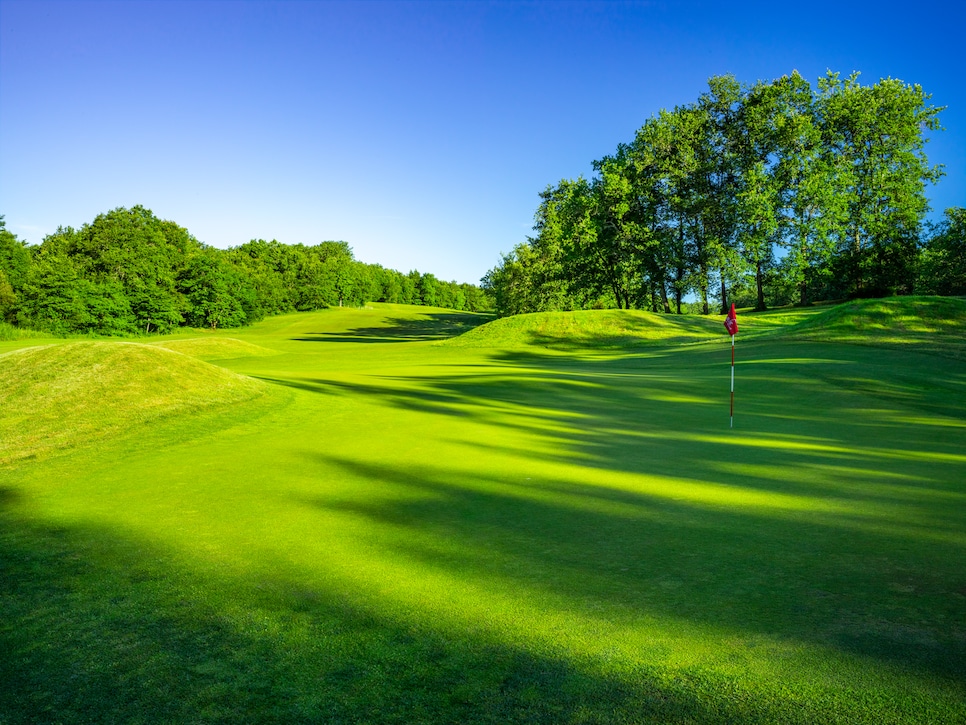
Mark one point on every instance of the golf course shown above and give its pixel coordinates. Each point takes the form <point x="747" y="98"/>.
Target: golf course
<point x="404" y="514"/>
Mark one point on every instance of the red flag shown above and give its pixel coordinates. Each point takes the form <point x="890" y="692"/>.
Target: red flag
<point x="731" y="321"/>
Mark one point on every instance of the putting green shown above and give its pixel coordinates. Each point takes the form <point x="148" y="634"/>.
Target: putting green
<point x="394" y="524"/>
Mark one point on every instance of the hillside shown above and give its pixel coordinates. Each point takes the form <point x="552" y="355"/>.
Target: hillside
<point x="929" y="324"/>
<point x="593" y="328"/>
<point x="57" y="396"/>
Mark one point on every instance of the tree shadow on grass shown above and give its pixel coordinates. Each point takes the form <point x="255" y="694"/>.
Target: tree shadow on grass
<point x="828" y="580"/>
<point x="426" y="327"/>
<point x="853" y="412"/>
<point x="816" y="519"/>
<point x="99" y="627"/>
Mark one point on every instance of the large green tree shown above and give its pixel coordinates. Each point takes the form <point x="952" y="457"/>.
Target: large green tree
<point x="807" y="173"/>
<point x="131" y="260"/>
<point x="877" y="134"/>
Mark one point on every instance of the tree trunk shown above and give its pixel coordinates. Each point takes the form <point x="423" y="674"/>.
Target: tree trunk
<point x="679" y="270"/>
<point x="678" y="294"/>
<point x="760" y="283"/>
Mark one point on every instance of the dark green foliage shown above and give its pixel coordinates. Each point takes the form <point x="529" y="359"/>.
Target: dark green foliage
<point x="14" y="256"/>
<point x="54" y="295"/>
<point x="943" y="266"/>
<point x="7" y="296"/>
<point x="214" y="292"/>
<point x="134" y="256"/>
<point x="14" y="267"/>
<point x="129" y="272"/>
<point x="271" y="268"/>
<point x="751" y="194"/>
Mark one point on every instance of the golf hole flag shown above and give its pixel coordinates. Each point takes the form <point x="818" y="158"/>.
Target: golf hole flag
<point x="731" y="321"/>
<point x="731" y="325"/>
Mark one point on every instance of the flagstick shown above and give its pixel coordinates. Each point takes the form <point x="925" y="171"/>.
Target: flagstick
<point x="732" y="381"/>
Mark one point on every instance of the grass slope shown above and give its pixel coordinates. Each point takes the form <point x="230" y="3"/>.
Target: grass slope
<point x="589" y="328"/>
<point x="932" y="324"/>
<point x="505" y="533"/>
<point x="59" y="396"/>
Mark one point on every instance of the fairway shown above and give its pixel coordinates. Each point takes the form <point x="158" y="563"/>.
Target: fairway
<point x="372" y="517"/>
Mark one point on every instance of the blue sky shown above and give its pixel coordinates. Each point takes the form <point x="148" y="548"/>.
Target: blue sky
<point x="419" y="132"/>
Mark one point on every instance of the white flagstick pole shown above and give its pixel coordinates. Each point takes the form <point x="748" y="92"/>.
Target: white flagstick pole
<point x="732" y="381"/>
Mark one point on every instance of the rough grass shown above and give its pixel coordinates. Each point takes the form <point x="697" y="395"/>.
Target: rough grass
<point x="10" y="332"/>
<point x="59" y="396"/>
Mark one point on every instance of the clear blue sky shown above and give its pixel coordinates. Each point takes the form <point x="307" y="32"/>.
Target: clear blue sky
<point x="419" y="132"/>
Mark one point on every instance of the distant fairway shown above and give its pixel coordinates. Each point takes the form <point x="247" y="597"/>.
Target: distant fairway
<point x="393" y="515"/>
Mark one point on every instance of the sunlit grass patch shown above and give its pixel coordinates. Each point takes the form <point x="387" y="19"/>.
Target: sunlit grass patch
<point x="62" y="395"/>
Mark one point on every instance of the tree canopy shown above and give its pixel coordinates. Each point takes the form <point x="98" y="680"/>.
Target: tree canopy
<point x="766" y="194"/>
<point x="129" y="272"/>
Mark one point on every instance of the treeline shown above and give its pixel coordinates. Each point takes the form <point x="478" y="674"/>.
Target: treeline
<point x="768" y="194"/>
<point x="129" y="272"/>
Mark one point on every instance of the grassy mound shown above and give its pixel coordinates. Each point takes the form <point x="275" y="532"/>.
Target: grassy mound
<point x="933" y="324"/>
<point x="215" y="348"/>
<point x="929" y="324"/>
<point x="57" y="396"/>
<point x="590" y="328"/>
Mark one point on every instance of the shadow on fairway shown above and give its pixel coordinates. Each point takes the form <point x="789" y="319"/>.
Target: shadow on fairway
<point x="428" y="326"/>
<point x="97" y="627"/>
<point x="832" y="581"/>
<point x="823" y="524"/>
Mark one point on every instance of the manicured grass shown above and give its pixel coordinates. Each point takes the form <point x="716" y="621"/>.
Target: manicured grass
<point x="503" y="528"/>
